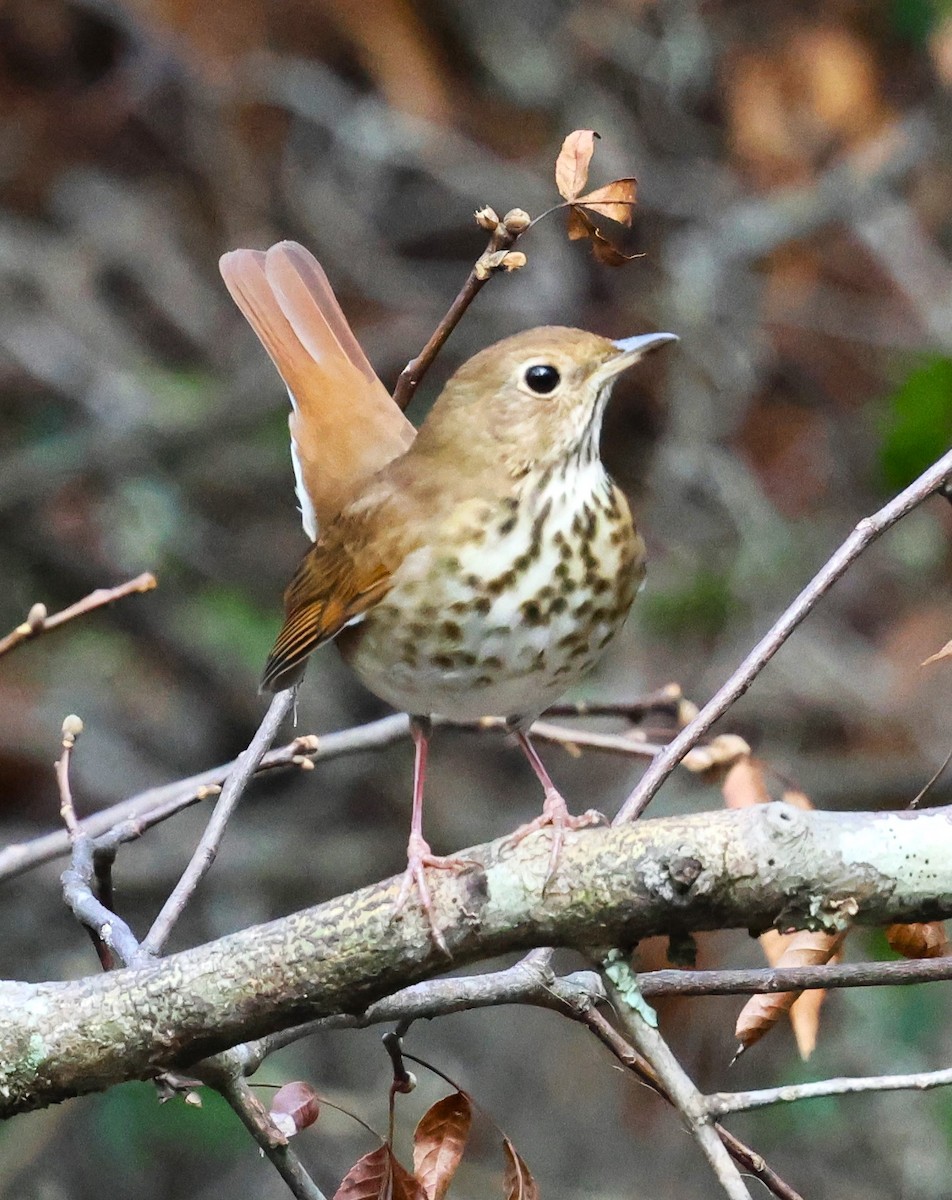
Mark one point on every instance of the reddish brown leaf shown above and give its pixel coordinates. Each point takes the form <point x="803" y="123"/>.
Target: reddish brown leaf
<point x="439" y="1143"/>
<point x="294" y="1107"/>
<point x="571" y="167"/>
<point x="922" y="940"/>
<point x="615" y="200"/>
<point x="519" y="1183"/>
<point x="378" y="1176"/>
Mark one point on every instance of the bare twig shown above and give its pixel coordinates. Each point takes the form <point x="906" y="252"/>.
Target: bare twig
<point x="722" y="1103"/>
<point x="502" y="239"/>
<point x="38" y="622"/>
<point x="162" y="802"/>
<point x="866" y="532"/>
<point x="129" y="819"/>
<point x="750" y="981"/>
<point x="523" y="983"/>
<point x="667" y="699"/>
<point x="274" y="1145"/>
<point x="207" y="848"/>
<point x="741" y="1153"/>
<point x="681" y="1091"/>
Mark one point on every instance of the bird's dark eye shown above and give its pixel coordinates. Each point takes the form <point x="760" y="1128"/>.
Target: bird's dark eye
<point x="542" y="378"/>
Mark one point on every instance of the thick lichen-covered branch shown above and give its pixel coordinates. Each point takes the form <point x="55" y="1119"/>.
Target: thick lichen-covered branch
<point x="613" y="886"/>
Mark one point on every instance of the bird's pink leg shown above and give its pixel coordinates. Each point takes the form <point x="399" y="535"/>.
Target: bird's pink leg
<point x="419" y="855"/>
<point x="554" y="809"/>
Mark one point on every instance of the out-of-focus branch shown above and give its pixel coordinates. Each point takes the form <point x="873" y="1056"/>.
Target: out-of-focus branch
<point x="866" y="532"/>
<point x="38" y="622"/>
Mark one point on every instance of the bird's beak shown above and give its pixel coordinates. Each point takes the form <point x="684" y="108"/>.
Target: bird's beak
<point x="630" y="350"/>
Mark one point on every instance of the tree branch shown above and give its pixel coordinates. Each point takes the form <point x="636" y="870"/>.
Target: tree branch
<point x="612" y="887"/>
<point x="723" y="1103"/>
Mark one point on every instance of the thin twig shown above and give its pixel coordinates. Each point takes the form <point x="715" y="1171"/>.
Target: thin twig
<point x="502" y="239"/>
<point x="129" y="819"/>
<point x="38" y="622"/>
<point x="522" y="983"/>
<point x="866" y="532"/>
<point x="274" y="1145"/>
<point x="750" y="981"/>
<point x="161" y="802"/>
<point x="681" y="1090"/>
<point x="722" y="1103"/>
<point x="207" y="848"/>
<point x="667" y="699"/>
<point x="741" y="1153"/>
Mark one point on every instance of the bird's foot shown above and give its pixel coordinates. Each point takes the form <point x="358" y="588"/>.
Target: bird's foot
<point x="419" y="857"/>
<point x="555" y="815"/>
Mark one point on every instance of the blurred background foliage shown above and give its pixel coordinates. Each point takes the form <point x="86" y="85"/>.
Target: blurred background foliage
<point x="795" y="219"/>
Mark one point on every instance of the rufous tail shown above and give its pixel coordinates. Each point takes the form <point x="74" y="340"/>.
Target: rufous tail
<point x="344" y="424"/>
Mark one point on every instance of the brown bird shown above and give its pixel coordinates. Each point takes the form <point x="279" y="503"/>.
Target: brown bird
<point x="478" y="568"/>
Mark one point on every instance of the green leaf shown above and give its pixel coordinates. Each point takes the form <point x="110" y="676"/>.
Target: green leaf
<point x="917" y="428"/>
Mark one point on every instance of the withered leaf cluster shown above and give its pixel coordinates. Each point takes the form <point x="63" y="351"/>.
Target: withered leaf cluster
<point x="613" y="201"/>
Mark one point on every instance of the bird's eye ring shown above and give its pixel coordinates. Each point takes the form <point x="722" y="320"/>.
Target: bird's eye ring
<point x="542" y="378"/>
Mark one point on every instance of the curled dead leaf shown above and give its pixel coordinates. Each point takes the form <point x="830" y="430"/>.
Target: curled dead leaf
<point x="920" y="940"/>
<point x="294" y="1107"/>
<point x="439" y="1143"/>
<point x="615" y="200"/>
<point x="571" y="166"/>
<point x="945" y="652"/>
<point x="805" y="948"/>
<point x="744" y="784"/>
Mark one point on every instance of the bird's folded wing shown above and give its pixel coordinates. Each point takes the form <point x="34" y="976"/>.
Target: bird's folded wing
<point x="344" y="424"/>
<point x="328" y="592"/>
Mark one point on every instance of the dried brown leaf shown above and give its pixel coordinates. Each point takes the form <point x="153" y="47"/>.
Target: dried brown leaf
<point x="615" y="200"/>
<point x="519" y="1183"/>
<point x="945" y="652"/>
<point x="806" y="948"/>
<point x="440" y="1141"/>
<point x="580" y="226"/>
<point x="378" y="1176"/>
<point x="920" y="940"/>
<point x="571" y="167"/>
<point x="744" y="784"/>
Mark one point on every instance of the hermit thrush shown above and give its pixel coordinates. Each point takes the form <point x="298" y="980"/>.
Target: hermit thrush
<point x="477" y="569"/>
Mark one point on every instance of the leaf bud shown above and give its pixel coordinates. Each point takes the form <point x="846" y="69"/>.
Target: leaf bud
<point x="486" y="218"/>
<point x="517" y="220"/>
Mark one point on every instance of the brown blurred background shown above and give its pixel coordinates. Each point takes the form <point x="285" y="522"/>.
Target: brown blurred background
<point x="796" y="226"/>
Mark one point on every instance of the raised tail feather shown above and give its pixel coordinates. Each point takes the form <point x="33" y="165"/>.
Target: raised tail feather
<point x="344" y="424"/>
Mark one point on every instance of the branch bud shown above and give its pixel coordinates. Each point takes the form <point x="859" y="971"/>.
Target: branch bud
<point x="517" y="220"/>
<point x="486" y="218"/>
